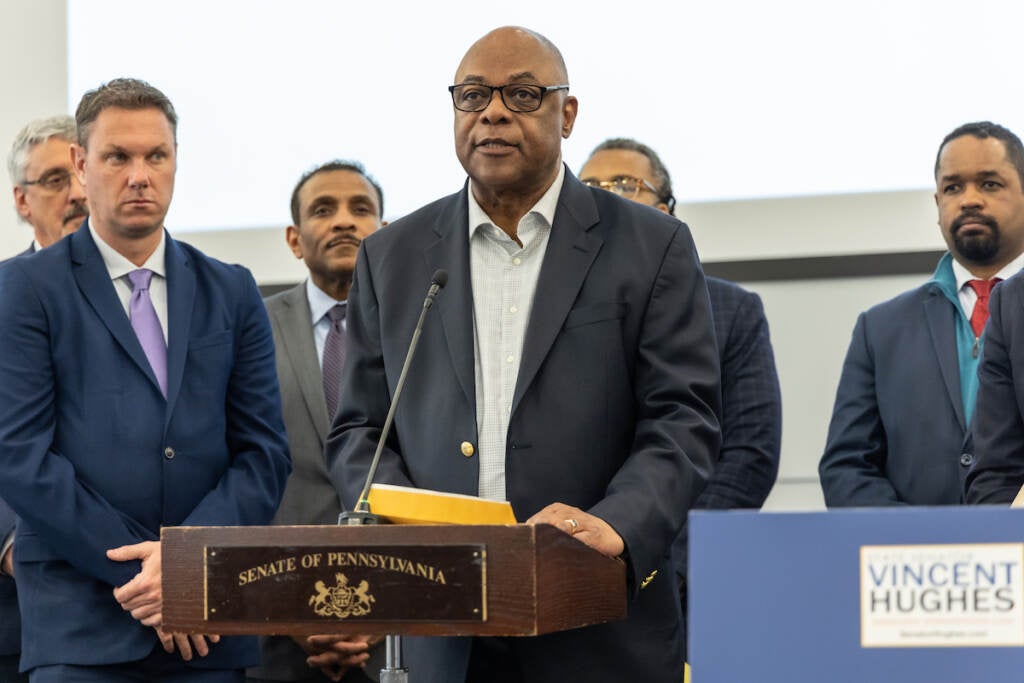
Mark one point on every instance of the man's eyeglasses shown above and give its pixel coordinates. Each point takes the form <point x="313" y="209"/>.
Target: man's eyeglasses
<point x="517" y="97"/>
<point x="54" y="181"/>
<point x="624" y="186"/>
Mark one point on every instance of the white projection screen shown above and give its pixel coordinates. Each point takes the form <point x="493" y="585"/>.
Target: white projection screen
<point x="742" y="98"/>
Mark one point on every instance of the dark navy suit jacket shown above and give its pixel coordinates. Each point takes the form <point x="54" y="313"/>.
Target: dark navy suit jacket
<point x="998" y="429"/>
<point x="95" y="457"/>
<point x="10" y="618"/>
<point x="898" y="433"/>
<point x="751" y="408"/>
<point x="614" y="409"/>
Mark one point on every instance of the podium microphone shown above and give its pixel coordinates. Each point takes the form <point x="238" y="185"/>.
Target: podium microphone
<point x="361" y="513"/>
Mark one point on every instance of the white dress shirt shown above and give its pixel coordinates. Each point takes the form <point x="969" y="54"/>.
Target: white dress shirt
<point x="504" y="277"/>
<point x="319" y="303"/>
<point x="966" y="294"/>
<point x="118" y="267"/>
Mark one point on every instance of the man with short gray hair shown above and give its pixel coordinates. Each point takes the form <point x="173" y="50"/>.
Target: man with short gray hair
<point x="47" y="195"/>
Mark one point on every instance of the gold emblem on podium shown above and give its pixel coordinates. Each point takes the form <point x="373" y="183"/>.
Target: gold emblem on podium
<point x="342" y="600"/>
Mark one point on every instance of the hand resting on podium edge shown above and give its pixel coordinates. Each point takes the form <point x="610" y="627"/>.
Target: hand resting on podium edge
<point x="590" y="530"/>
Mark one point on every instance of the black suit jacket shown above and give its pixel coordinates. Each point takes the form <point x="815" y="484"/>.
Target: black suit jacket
<point x="998" y="426"/>
<point x="614" y="409"/>
<point x="751" y="409"/>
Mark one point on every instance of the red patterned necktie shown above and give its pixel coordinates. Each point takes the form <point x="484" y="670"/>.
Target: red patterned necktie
<point x="979" y="316"/>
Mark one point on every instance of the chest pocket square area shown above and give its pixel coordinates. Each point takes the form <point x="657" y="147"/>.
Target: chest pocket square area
<point x="589" y="314"/>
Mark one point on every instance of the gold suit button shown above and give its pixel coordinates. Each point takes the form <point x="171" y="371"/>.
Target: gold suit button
<point x="467" y="449"/>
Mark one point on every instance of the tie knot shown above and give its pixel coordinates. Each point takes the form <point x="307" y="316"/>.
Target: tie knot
<point x="983" y="287"/>
<point x="140" y="278"/>
<point x="336" y="313"/>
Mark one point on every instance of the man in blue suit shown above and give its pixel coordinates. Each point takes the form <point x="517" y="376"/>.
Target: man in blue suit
<point x="751" y="418"/>
<point x="137" y="390"/>
<point x="47" y="196"/>
<point x="900" y="431"/>
<point x="569" y="366"/>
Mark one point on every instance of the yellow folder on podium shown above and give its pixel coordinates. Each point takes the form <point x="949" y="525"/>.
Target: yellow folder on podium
<point x="405" y="505"/>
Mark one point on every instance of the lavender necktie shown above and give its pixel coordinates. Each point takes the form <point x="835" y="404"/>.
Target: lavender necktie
<point x="147" y="325"/>
<point x="334" y="358"/>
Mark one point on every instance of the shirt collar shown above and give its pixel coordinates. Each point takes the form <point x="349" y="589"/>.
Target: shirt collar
<point x="319" y="301"/>
<point x="545" y="206"/>
<point x="119" y="266"/>
<point x="962" y="275"/>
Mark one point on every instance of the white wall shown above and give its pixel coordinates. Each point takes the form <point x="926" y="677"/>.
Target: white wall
<point x="810" y="321"/>
<point x="34" y="83"/>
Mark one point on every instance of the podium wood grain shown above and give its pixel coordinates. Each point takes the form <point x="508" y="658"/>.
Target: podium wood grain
<point x="538" y="579"/>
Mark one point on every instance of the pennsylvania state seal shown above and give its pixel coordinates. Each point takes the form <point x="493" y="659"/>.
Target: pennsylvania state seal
<point x="341" y="600"/>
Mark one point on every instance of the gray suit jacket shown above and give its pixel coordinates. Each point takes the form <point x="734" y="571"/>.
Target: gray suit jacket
<point x="309" y="497"/>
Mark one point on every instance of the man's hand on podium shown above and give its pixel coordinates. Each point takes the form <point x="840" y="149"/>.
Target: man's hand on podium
<point x="591" y="530"/>
<point x="334" y="654"/>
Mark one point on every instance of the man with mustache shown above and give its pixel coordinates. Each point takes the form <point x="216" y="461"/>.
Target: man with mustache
<point x="334" y="207"/>
<point x="568" y="366"/>
<point x="47" y="195"/>
<point x="751" y="402"/>
<point x="901" y="426"/>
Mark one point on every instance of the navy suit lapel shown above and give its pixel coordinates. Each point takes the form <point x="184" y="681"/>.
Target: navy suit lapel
<point x="294" y="320"/>
<point x="942" y="327"/>
<point x="571" y="250"/>
<point x="181" y="291"/>
<point x="455" y="304"/>
<point x="94" y="282"/>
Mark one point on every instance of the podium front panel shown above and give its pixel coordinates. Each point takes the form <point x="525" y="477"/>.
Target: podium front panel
<point x="386" y="579"/>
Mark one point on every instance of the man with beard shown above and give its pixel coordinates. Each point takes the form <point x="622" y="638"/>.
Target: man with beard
<point x="900" y="431"/>
<point x="47" y="195"/>
<point x="334" y="207"/>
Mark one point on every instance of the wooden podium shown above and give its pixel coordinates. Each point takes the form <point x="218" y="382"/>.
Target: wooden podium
<point x="508" y="580"/>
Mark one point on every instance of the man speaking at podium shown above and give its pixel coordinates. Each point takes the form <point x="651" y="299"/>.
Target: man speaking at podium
<point x="569" y="366"/>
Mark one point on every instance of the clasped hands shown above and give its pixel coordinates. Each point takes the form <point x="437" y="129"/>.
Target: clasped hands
<point x="143" y="598"/>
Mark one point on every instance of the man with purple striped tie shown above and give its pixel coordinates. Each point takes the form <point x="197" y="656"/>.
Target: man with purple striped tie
<point x="334" y="207"/>
<point x="137" y="390"/>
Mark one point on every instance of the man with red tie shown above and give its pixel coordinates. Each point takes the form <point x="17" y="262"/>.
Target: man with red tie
<point x="901" y="425"/>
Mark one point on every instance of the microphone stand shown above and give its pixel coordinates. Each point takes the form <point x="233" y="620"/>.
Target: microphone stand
<point x="394" y="670"/>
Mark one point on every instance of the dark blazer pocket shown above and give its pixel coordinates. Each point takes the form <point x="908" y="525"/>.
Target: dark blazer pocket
<point x="215" y="339"/>
<point x="595" y="313"/>
<point x="31" y="548"/>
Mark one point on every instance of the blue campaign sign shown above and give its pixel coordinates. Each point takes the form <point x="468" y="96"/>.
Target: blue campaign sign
<point x="911" y="595"/>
